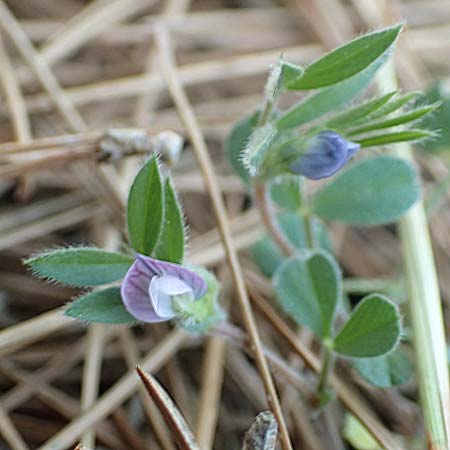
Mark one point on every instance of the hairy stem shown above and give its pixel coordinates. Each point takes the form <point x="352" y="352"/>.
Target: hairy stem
<point x="268" y="217"/>
<point x="265" y="114"/>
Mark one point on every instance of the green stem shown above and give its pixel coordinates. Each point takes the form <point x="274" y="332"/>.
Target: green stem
<point x="365" y="285"/>
<point x="328" y="354"/>
<point x="309" y="230"/>
<point x="425" y="309"/>
<point x="326" y="371"/>
<point x="269" y="219"/>
<point x="263" y="201"/>
<point x="265" y="113"/>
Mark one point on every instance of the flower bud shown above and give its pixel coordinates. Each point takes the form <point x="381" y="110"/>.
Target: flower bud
<point x="325" y="154"/>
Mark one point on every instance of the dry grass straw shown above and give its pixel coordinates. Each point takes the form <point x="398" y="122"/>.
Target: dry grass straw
<point x="68" y="66"/>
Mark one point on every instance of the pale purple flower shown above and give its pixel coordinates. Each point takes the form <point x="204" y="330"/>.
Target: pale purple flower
<point x="325" y="154"/>
<point x="150" y="286"/>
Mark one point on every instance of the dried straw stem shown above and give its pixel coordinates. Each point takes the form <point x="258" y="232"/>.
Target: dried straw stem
<point x="207" y="168"/>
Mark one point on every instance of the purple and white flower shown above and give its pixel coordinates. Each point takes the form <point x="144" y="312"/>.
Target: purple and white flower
<point x="151" y="288"/>
<point x="325" y="154"/>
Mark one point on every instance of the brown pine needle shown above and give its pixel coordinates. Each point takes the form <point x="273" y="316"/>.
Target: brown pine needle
<point x="210" y="177"/>
<point x="170" y="412"/>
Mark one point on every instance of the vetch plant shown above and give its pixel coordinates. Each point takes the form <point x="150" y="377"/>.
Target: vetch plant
<point x="156" y="285"/>
<point x="279" y="154"/>
<point x="275" y="150"/>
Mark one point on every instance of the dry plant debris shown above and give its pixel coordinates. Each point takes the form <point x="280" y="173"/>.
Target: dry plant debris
<point x="85" y="95"/>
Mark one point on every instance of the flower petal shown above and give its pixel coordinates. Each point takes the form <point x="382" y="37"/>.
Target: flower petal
<point x="135" y="296"/>
<point x="162" y="289"/>
<point x="193" y="280"/>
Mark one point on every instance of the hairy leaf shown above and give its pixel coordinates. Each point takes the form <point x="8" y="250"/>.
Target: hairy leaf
<point x="329" y="99"/>
<point x="257" y="147"/>
<point x="80" y="266"/>
<point x="171" y="241"/>
<point x="236" y="142"/>
<point x="101" y="306"/>
<point x="358" y="113"/>
<point x="395" y="137"/>
<point x="347" y="60"/>
<point x="395" y="104"/>
<point x="145" y="210"/>
<point x="409" y="116"/>
<point x="289" y="72"/>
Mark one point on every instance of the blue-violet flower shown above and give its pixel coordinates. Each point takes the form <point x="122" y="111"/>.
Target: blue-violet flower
<point x="326" y="153"/>
<point x="152" y="289"/>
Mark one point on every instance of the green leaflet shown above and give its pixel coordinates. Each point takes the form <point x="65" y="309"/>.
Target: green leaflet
<point x="101" y="306"/>
<point x="266" y="254"/>
<point x="289" y="72"/>
<point x="409" y="116"/>
<point x="357" y="114"/>
<point x="308" y="287"/>
<point x="80" y="266"/>
<point x="395" y="104"/>
<point x="330" y="98"/>
<point x="171" y="241"/>
<point x="374" y="329"/>
<point x="145" y="211"/>
<point x="395" y="137"/>
<point x="346" y="61"/>
<point x="371" y="192"/>
<point x="385" y="371"/>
